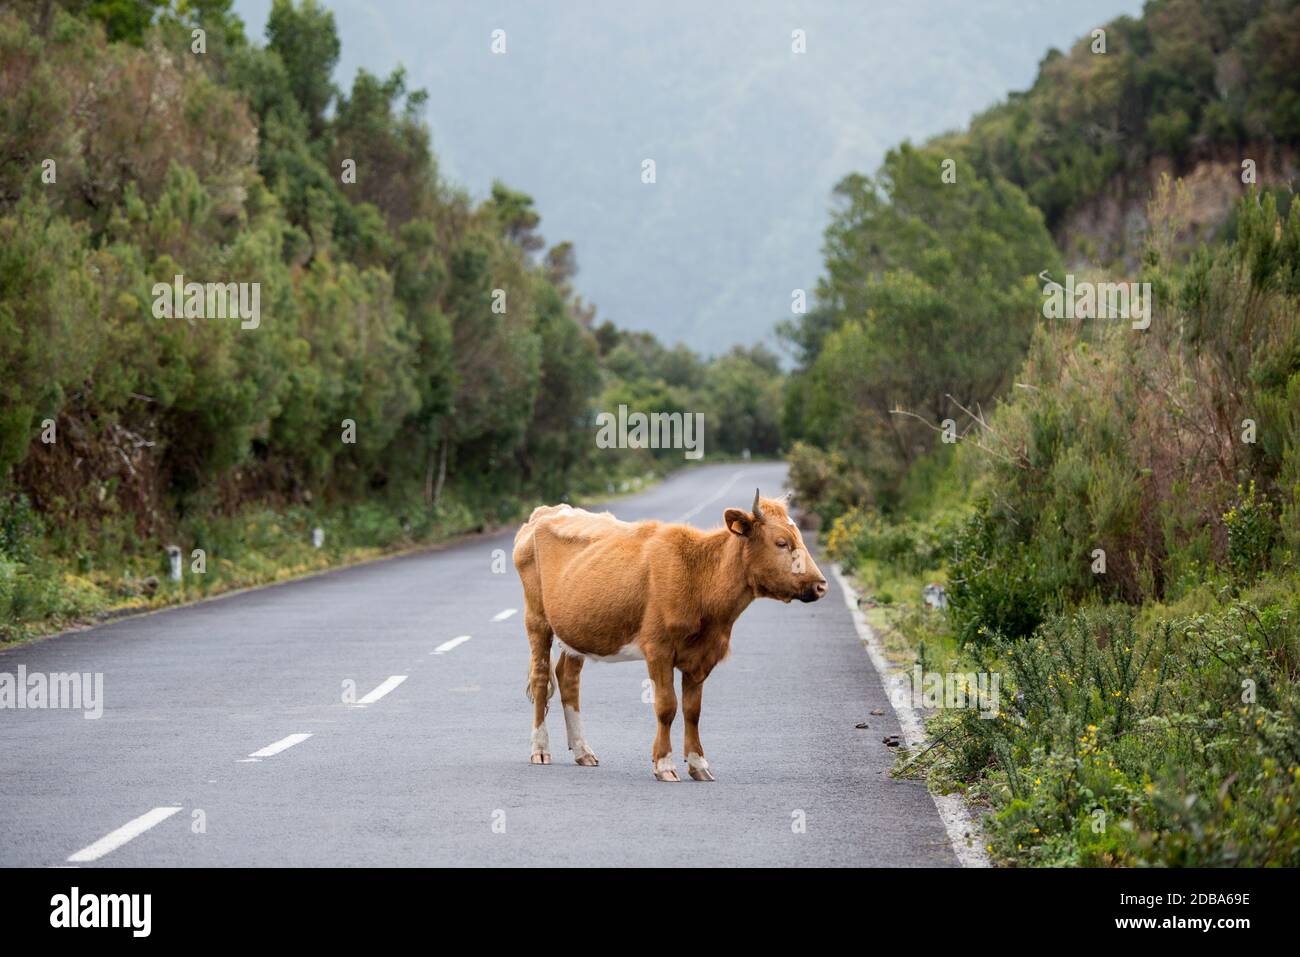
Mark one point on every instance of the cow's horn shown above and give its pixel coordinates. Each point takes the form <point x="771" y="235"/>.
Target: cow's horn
<point x="758" y="508"/>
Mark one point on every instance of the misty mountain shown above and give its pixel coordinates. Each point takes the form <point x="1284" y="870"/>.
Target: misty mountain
<point x="748" y="137"/>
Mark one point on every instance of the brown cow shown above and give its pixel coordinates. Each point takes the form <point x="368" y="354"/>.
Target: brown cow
<point x="610" y="590"/>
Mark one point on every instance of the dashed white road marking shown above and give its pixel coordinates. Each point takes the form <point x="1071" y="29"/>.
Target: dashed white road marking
<point x="503" y="615"/>
<point x="115" y="839"/>
<point x="388" y="685"/>
<point x="446" y="646"/>
<point x="272" y="749"/>
<point x="726" y="487"/>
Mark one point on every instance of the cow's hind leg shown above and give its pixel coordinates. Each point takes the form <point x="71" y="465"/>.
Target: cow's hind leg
<point x="568" y="672"/>
<point x="540" y="684"/>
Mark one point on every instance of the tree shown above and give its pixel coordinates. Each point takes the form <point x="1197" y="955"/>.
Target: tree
<point x="308" y="44"/>
<point x="515" y="214"/>
<point x="378" y="127"/>
<point x="927" y="306"/>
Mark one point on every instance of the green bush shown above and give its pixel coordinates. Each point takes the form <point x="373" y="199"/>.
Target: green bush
<point x="1178" y="745"/>
<point x="909" y="547"/>
<point x="1251" y="533"/>
<point x="824" y="482"/>
<point x="20" y="528"/>
<point x="994" y="587"/>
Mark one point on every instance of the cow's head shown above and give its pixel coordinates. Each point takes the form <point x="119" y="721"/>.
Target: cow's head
<point x="776" y="562"/>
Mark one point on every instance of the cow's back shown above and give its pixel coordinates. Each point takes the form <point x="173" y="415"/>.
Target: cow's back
<point x="563" y="523"/>
<point x="586" y="572"/>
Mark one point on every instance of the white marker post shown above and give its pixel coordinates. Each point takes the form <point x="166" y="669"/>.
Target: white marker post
<point x="174" y="559"/>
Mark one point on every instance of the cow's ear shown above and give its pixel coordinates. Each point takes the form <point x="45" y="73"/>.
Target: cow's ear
<point x="738" y="522"/>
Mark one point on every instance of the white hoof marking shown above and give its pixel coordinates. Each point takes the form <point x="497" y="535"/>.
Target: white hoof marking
<point x="541" y="740"/>
<point x="573" y="726"/>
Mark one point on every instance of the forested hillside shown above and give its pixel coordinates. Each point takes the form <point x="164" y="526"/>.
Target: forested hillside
<point x="1190" y="88"/>
<point x="422" y="362"/>
<point x="1112" y="506"/>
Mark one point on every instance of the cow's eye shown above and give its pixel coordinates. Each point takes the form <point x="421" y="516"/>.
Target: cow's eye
<point x="782" y="543"/>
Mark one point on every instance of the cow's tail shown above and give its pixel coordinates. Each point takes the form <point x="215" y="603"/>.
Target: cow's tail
<point x="551" y="684"/>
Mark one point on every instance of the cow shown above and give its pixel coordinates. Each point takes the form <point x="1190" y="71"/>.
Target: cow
<point x="608" y="590"/>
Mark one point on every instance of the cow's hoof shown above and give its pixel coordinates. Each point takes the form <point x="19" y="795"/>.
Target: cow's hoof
<point x="668" y="775"/>
<point x="541" y="757"/>
<point x="587" y="760"/>
<point x="698" y="767"/>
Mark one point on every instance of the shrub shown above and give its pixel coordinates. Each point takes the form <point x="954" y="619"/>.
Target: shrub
<point x="907" y="546"/>
<point x="20" y="527"/>
<point x="824" y="483"/>
<point x="994" y="587"/>
<point x="1176" y="745"/>
<point x="1251" y="533"/>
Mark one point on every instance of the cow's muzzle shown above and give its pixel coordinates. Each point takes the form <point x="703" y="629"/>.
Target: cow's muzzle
<point x="814" y="591"/>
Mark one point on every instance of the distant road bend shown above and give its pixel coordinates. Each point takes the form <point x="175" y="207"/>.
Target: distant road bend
<point x="225" y="738"/>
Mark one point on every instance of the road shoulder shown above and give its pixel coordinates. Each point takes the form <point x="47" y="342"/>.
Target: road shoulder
<point x="963" y="829"/>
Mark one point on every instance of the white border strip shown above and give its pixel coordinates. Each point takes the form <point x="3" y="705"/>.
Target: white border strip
<point x="963" y="831"/>
<point x="127" y="832"/>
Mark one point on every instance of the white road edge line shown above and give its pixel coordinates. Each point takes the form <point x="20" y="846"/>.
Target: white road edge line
<point x="282" y="745"/>
<point x="963" y="831"/>
<point x="128" y="831"/>
<point x="726" y="487"/>
<point x="446" y="646"/>
<point x="503" y="615"/>
<point x="389" y="684"/>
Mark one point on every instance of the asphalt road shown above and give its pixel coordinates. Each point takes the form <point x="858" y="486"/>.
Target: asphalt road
<point x="435" y="770"/>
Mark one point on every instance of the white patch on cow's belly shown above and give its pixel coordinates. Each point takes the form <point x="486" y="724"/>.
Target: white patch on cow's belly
<point x="629" y="652"/>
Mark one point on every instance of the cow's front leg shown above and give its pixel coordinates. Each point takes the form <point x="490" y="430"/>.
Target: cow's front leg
<point x="661" y="674"/>
<point x="692" y="699"/>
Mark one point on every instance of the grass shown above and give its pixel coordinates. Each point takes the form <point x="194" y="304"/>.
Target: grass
<point x="50" y="592"/>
